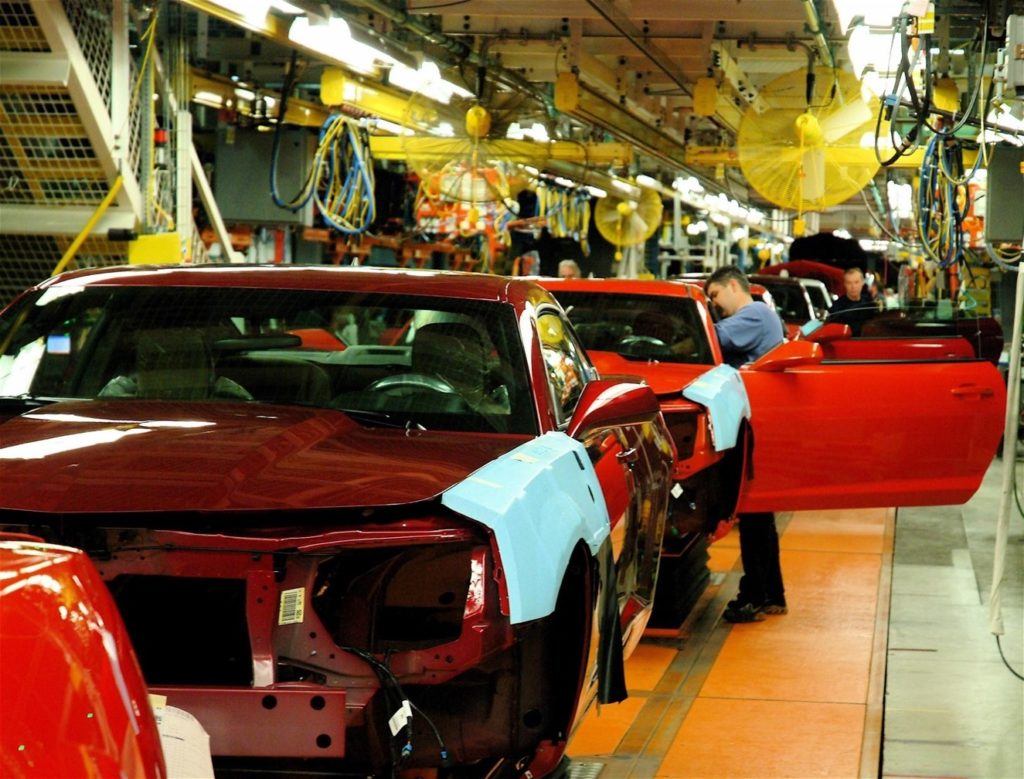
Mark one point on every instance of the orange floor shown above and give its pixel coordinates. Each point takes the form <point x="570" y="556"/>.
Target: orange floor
<point x="794" y="696"/>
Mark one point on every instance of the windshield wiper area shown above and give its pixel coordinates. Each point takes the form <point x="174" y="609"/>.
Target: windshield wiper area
<point x="26" y="401"/>
<point x="381" y="419"/>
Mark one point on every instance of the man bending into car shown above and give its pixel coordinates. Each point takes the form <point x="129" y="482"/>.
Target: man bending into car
<point x="748" y="330"/>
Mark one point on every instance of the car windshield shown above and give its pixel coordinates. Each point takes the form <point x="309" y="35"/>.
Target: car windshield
<point x="789" y="301"/>
<point x="639" y="327"/>
<point x="403" y="361"/>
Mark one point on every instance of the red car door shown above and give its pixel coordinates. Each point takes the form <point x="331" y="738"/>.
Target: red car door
<point x="861" y="433"/>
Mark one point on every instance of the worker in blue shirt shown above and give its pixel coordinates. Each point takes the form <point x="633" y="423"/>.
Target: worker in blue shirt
<point x="750" y="329"/>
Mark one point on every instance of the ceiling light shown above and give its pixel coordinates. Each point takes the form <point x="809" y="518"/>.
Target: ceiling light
<point x="392" y="127"/>
<point x="562" y="181"/>
<point x="425" y="80"/>
<point x="875" y="49"/>
<point x="333" y="39"/>
<point x="245" y="94"/>
<point x="876" y="12"/>
<point x="208" y="98"/>
<point x="596" y="191"/>
<point x="842" y="232"/>
<point x="622" y="186"/>
<point x="444" y="130"/>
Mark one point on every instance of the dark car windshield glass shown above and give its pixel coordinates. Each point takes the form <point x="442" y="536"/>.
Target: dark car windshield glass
<point x="388" y="360"/>
<point x="639" y="327"/>
<point x="789" y="301"/>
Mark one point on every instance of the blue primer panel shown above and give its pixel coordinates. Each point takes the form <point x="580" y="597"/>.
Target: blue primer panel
<point x="539" y="503"/>
<point x="810" y="326"/>
<point x="721" y="391"/>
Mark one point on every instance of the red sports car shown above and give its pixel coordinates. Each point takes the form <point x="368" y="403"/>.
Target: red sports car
<point x="432" y="547"/>
<point x="886" y="422"/>
<point x="73" y="699"/>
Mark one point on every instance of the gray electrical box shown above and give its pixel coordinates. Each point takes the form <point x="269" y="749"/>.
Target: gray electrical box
<point x="241" y="181"/>
<point x="1004" y="198"/>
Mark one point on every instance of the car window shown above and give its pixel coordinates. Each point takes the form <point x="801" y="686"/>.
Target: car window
<point x="790" y="302"/>
<point x="567" y="370"/>
<point x="818" y="298"/>
<point x="397" y="360"/>
<point x="639" y="327"/>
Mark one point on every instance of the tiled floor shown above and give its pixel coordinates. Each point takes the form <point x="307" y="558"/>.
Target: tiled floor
<point x="784" y="697"/>
<point x="801" y="695"/>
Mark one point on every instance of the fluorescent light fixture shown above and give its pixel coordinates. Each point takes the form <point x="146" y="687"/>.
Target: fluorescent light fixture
<point x="426" y="80"/>
<point x="842" y="232"/>
<point x="531" y="170"/>
<point x="644" y="180"/>
<point x="334" y="40"/>
<point x="245" y="94"/>
<point x="622" y="186"/>
<point x="869" y="245"/>
<point x="876" y="12"/>
<point x="562" y="181"/>
<point x="874" y="49"/>
<point x="208" y="98"/>
<point x="286" y="8"/>
<point x="444" y="130"/>
<point x="690" y="184"/>
<point x="392" y="127"/>
<point x="596" y="191"/>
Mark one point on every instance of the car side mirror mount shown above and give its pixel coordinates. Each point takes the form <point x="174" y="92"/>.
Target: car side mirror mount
<point x="791" y="354"/>
<point x="831" y="331"/>
<point x="607" y="403"/>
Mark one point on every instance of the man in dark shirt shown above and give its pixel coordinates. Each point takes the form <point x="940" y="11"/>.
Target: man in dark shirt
<point x="749" y="330"/>
<point x="855" y="307"/>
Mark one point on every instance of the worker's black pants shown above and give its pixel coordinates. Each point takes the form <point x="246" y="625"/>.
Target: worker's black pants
<point x="759" y="551"/>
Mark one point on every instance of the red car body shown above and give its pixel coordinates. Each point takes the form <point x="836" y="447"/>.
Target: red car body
<point x="886" y="422"/>
<point x="301" y="570"/>
<point x="73" y="699"/>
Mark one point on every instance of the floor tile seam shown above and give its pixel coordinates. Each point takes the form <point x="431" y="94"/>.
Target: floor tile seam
<point x="778" y="700"/>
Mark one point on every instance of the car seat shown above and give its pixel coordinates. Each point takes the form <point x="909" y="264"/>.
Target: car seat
<point x="173" y="363"/>
<point x="453" y="351"/>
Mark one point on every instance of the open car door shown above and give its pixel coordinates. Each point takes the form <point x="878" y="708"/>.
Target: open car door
<point x="861" y="433"/>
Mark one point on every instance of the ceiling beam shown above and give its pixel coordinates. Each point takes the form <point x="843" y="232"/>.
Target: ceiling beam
<point x="651" y="10"/>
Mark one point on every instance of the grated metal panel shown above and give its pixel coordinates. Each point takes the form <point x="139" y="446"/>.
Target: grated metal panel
<point x="45" y="156"/>
<point x="19" y="29"/>
<point x="92" y="22"/>
<point x="585" y="770"/>
<point x="26" y="260"/>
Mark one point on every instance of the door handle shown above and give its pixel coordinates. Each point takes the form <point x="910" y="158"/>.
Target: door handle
<point x="628" y="455"/>
<point x="972" y="391"/>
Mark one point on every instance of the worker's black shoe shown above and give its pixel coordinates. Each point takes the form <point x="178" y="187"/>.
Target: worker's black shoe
<point x="774" y="608"/>
<point x="746" y="612"/>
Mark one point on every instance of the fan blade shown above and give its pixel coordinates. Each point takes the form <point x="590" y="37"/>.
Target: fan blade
<point x="845" y="120"/>
<point x="813" y="165"/>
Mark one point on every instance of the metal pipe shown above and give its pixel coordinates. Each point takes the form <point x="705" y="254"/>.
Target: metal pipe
<point x="814" y="28"/>
<point x="101" y="209"/>
<point x="455" y="47"/>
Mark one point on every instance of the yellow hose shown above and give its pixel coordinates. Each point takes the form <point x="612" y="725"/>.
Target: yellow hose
<point x="101" y="209"/>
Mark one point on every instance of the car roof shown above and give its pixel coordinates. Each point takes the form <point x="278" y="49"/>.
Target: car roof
<point x="658" y="287"/>
<point x="768" y="278"/>
<point x="448" y="284"/>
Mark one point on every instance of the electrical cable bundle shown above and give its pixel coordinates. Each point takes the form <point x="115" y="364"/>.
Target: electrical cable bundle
<point x="567" y="213"/>
<point x="943" y="202"/>
<point x="340" y="180"/>
<point x="400" y="709"/>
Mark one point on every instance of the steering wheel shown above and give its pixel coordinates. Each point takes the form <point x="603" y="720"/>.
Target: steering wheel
<point x="648" y="340"/>
<point x="413" y="381"/>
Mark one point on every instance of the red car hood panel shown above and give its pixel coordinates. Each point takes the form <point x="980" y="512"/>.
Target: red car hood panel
<point x="114" y="456"/>
<point x="665" y="378"/>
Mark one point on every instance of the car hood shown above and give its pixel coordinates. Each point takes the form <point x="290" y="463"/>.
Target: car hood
<point x="665" y="378"/>
<point x="120" y="456"/>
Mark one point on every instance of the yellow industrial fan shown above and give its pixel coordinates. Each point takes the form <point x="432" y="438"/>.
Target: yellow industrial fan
<point x="626" y="222"/>
<point x="808" y="155"/>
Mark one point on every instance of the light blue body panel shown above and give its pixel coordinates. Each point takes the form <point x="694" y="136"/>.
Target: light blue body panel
<point x="722" y="393"/>
<point x="540" y="500"/>
<point x="810" y="326"/>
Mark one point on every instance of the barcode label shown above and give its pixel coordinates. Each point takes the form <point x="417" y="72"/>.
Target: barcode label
<point x="293" y="604"/>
